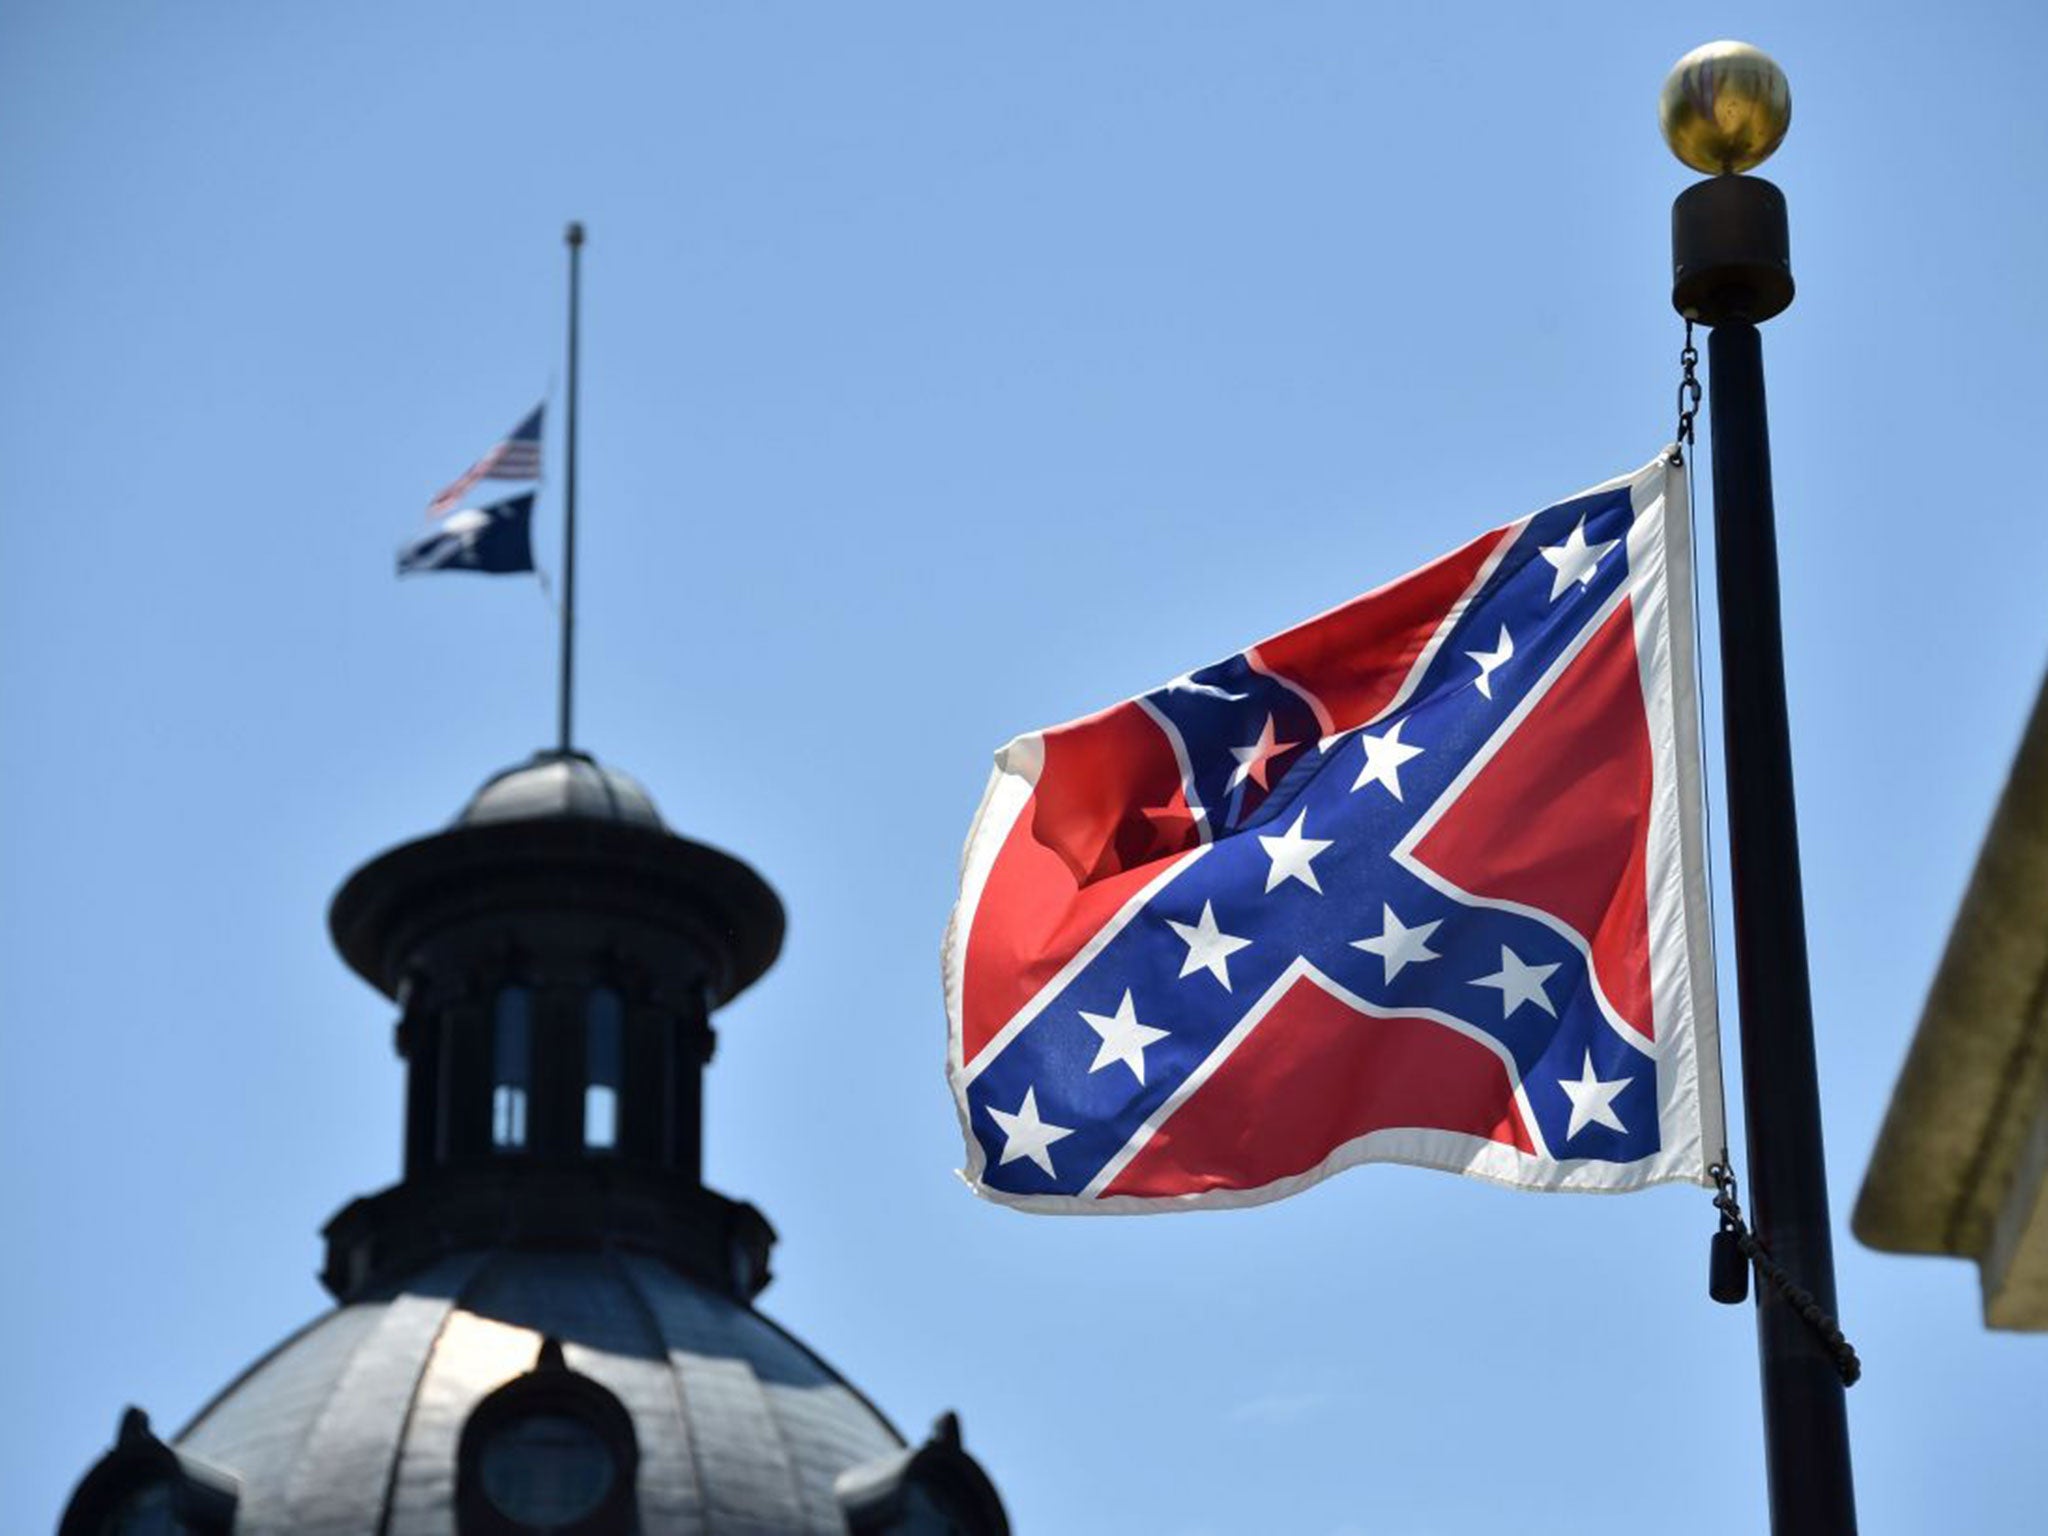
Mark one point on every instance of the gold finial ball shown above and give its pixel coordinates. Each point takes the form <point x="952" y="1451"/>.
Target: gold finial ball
<point x="1725" y="107"/>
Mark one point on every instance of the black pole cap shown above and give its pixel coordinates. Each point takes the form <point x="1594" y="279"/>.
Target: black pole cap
<point x="1730" y="251"/>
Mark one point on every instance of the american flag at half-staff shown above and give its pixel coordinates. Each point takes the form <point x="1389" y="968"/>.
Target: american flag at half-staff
<point x="1421" y="880"/>
<point x="516" y="458"/>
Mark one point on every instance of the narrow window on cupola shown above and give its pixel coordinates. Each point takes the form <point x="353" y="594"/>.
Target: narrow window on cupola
<point x="604" y="1029"/>
<point x="511" y="1066"/>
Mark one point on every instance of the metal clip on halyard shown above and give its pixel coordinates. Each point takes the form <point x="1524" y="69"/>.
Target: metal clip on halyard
<point x="1736" y="1248"/>
<point x="1688" y="396"/>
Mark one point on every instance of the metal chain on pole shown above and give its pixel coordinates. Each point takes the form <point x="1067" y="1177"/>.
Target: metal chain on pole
<point x="1734" y="1229"/>
<point x="1688" y="396"/>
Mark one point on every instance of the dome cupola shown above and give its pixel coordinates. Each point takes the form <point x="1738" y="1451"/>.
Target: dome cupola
<point x="555" y="955"/>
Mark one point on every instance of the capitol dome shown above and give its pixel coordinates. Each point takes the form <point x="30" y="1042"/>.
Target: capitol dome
<point x="546" y="1327"/>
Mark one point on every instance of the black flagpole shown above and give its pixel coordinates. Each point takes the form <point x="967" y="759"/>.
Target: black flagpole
<point x="1731" y="268"/>
<point x="574" y="237"/>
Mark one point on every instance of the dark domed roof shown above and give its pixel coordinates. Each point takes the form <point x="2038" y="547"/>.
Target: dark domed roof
<point x="558" y="784"/>
<point x="353" y="1425"/>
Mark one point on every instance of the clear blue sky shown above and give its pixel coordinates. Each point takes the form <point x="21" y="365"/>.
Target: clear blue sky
<point x="953" y="370"/>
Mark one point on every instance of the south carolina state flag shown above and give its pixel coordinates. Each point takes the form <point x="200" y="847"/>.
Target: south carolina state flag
<point x="1419" y="881"/>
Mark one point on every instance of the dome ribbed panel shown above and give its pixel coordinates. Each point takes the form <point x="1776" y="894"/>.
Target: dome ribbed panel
<point x="772" y="1424"/>
<point x="258" y="1427"/>
<point x="341" y="1483"/>
<point x="824" y="1435"/>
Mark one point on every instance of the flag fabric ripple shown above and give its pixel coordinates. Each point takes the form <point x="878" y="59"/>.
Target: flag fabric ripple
<point x="1421" y="880"/>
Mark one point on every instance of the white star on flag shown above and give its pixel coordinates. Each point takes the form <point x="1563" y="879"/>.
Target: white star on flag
<point x="1398" y="945"/>
<point x="1593" y="1100"/>
<point x="1123" y="1038"/>
<point x="1209" y="947"/>
<point x="1291" y="854"/>
<point x="1253" y="761"/>
<point x="1025" y="1135"/>
<point x="1492" y="661"/>
<point x="1384" y="755"/>
<point x="1518" y="983"/>
<point x="1574" y="560"/>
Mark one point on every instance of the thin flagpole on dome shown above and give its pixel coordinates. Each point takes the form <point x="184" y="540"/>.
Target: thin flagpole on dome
<point x="567" y="696"/>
